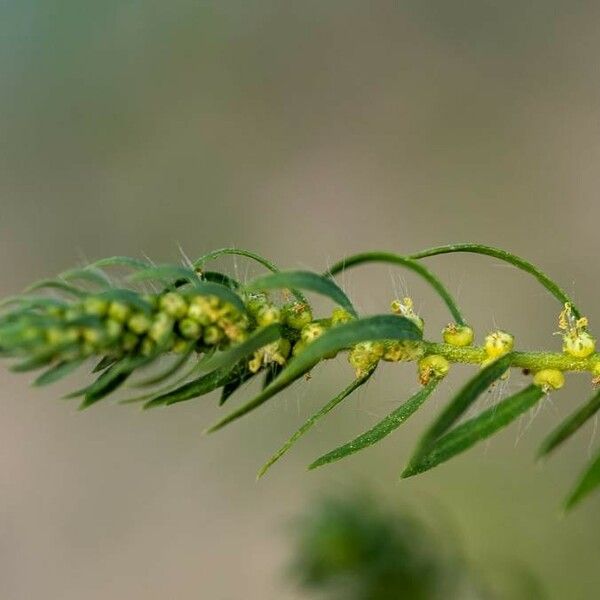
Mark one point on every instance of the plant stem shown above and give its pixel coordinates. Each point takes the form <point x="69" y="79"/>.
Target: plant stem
<point x="535" y="361"/>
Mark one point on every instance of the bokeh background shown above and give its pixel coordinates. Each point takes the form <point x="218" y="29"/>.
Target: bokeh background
<point x="305" y="131"/>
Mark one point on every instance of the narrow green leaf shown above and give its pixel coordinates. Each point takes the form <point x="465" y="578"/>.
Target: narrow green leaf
<point x="221" y="278"/>
<point x="111" y="379"/>
<point x="272" y="372"/>
<point x="241" y="375"/>
<point x="381" y="429"/>
<point x="265" y="262"/>
<point x="211" y="288"/>
<point x="508" y="257"/>
<point x="570" y="425"/>
<point x="122" y="261"/>
<point x="91" y="274"/>
<point x="308" y="424"/>
<point x="237" y="352"/>
<point x="35" y="362"/>
<point x="179" y="362"/>
<point x="461" y="402"/>
<point x="168" y="273"/>
<point x="474" y="430"/>
<point x="62" y="369"/>
<point x="56" y="284"/>
<point x="193" y="389"/>
<point x="378" y="327"/>
<point x="104" y="363"/>
<point x="588" y="482"/>
<point x="303" y="280"/>
<point x="403" y="261"/>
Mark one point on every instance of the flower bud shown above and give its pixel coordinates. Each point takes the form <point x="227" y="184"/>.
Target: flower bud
<point x="113" y="329"/>
<point x="161" y="328"/>
<point x="95" y="306"/>
<point x="579" y="344"/>
<point x="139" y="323"/>
<point x="212" y="335"/>
<point x="190" y="329"/>
<point x="339" y="316"/>
<point x="297" y="315"/>
<point x="404" y="308"/>
<point x="174" y="305"/>
<point x="432" y="365"/>
<point x="549" y="379"/>
<point x="311" y="332"/>
<point x="458" y="335"/>
<point x="364" y="356"/>
<point x="498" y="343"/>
<point x="267" y="315"/>
<point x="119" y="311"/>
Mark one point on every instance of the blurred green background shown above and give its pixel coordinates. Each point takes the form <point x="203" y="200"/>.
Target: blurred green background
<point x="305" y="131"/>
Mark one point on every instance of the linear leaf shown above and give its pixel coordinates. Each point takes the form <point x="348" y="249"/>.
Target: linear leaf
<point x="122" y="261"/>
<point x="90" y="274"/>
<point x="570" y="425"/>
<point x="237" y="352"/>
<point x="168" y="273"/>
<point x="56" y="284"/>
<point x="127" y="296"/>
<point x="461" y="402"/>
<point x="474" y="430"/>
<point x="221" y="278"/>
<point x="62" y="369"/>
<point x="304" y="280"/>
<point x="588" y="482"/>
<point x="308" y="424"/>
<point x="404" y="261"/>
<point x="381" y="429"/>
<point x="193" y="389"/>
<point x="378" y="327"/>
<point x="508" y="257"/>
<point x="243" y="374"/>
<point x="272" y="372"/>
<point x="175" y="366"/>
<point x="265" y="262"/>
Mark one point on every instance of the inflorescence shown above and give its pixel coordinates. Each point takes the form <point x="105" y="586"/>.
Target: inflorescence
<point x="222" y="333"/>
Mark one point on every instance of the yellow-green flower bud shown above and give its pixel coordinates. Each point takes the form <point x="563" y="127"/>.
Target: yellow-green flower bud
<point x="190" y="329"/>
<point x="396" y="351"/>
<point x="212" y="335"/>
<point x="549" y="379"/>
<point x="364" y="356"/>
<point x="92" y="336"/>
<point x="404" y="308"/>
<point x="267" y="315"/>
<point x="498" y="343"/>
<point x="255" y="303"/>
<point x="113" y="329"/>
<point x="148" y="347"/>
<point x="119" y="311"/>
<point x="139" y="323"/>
<point x="180" y="346"/>
<point x="95" y="306"/>
<point x="297" y="315"/>
<point x="433" y="365"/>
<point x="174" y="305"/>
<point x="311" y="332"/>
<point x="458" y="335"/>
<point x="579" y="344"/>
<point x="129" y="341"/>
<point x="339" y="316"/>
<point x="161" y="328"/>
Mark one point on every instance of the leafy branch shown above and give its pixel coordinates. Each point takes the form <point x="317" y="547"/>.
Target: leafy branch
<point x="221" y="333"/>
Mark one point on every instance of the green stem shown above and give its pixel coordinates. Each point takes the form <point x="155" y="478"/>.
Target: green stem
<point x="534" y="361"/>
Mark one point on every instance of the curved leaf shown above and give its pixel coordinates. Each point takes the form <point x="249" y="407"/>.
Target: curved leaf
<point x="90" y="274"/>
<point x="570" y="425"/>
<point x="221" y="278"/>
<point x="312" y="420"/>
<point x="588" y="482"/>
<point x="378" y="327"/>
<point x="265" y="262"/>
<point x="193" y="389"/>
<point x="461" y="402"/>
<point x="168" y="273"/>
<point x="122" y="261"/>
<point x="62" y="369"/>
<point x="508" y="257"/>
<point x="304" y="280"/>
<point x="179" y="362"/>
<point x="404" y="261"/>
<point x="56" y="284"/>
<point x="467" y="434"/>
<point x="381" y="429"/>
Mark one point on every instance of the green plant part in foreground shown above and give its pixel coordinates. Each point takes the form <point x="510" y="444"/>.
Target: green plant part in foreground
<point x="221" y="333"/>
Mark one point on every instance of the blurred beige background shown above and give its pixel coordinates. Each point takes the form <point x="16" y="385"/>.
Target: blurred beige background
<point x="305" y="131"/>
